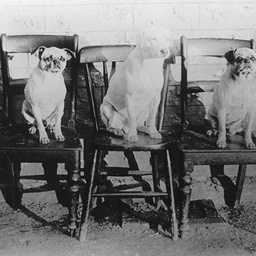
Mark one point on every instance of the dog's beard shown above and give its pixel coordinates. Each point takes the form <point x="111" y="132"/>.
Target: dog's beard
<point x="165" y="54"/>
<point x="160" y="54"/>
<point x="55" y="69"/>
<point x="52" y="67"/>
<point x="243" y="71"/>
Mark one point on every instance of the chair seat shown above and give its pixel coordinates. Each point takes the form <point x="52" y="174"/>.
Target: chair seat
<point x="105" y="140"/>
<point x="201" y="86"/>
<point x="17" y="143"/>
<point x="205" y="147"/>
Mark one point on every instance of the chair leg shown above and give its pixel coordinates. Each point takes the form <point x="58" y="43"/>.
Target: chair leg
<point x="156" y="184"/>
<point x="87" y="203"/>
<point x="18" y="185"/>
<point x="170" y="191"/>
<point x="170" y="203"/>
<point x="102" y="179"/>
<point x="239" y="184"/>
<point x="50" y="172"/>
<point x="73" y="169"/>
<point x="156" y="181"/>
<point x="9" y="191"/>
<point x="185" y="182"/>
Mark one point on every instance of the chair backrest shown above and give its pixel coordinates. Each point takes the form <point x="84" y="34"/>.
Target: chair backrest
<point x="202" y="63"/>
<point x="100" y="63"/>
<point x="22" y="46"/>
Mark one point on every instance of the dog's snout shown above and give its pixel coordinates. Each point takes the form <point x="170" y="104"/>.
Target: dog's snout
<point x="55" y="62"/>
<point x="164" y="51"/>
<point x="53" y="65"/>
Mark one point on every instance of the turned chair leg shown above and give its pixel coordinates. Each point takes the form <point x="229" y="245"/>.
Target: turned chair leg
<point x="171" y="195"/>
<point x="239" y="184"/>
<point x="170" y="203"/>
<point x="87" y="203"/>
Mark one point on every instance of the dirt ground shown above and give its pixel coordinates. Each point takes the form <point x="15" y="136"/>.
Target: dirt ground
<point x="38" y="228"/>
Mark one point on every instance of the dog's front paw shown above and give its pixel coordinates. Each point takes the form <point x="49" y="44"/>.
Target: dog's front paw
<point x="58" y="134"/>
<point x="32" y="130"/>
<point x="249" y="144"/>
<point x="59" y="137"/>
<point x="155" y="135"/>
<point x="132" y="138"/>
<point x="43" y="137"/>
<point x="221" y="143"/>
<point x="44" y="140"/>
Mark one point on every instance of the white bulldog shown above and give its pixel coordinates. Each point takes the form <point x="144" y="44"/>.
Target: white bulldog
<point x="234" y="105"/>
<point x="45" y="92"/>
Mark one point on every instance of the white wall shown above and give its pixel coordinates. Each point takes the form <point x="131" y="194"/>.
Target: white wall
<point x="117" y="21"/>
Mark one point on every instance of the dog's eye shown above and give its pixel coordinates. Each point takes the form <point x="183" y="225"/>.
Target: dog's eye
<point x="62" y="58"/>
<point x="48" y="59"/>
<point x="252" y="59"/>
<point x="239" y="59"/>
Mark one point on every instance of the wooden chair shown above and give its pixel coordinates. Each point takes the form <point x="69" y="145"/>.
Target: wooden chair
<point x="195" y="146"/>
<point x="17" y="145"/>
<point x="93" y="59"/>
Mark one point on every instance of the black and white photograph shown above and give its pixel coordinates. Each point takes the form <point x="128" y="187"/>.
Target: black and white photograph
<point x="127" y="128"/>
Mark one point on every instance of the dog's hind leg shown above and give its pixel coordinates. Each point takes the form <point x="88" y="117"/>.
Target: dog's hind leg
<point x="117" y="132"/>
<point x="113" y="121"/>
<point x="248" y="130"/>
<point x="29" y="118"/>
<point x="32" y="130"/>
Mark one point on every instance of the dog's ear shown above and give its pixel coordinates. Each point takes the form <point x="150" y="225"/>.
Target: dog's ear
<point x="38" y="51"/>
<point x="69" y="53"/>
<point x="230" y="56"/>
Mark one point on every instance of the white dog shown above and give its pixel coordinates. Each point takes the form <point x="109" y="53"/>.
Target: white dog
<point x="45" y="92"/>
<point x="234" y="99"/>
<point x="134" y="92"/>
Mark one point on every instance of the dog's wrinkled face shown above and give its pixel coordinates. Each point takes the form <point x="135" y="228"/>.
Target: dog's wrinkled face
<point x="242" y="61"/>
<point x="53" y="59"/>
<point x="156" y="41"/>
